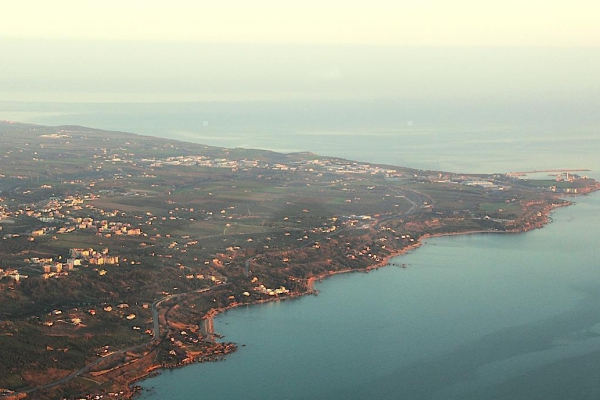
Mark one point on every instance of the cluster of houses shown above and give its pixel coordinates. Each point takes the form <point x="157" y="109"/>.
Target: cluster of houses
<point x="76" y="316"/>
<point x="12" y="273"/>
<point x="59" y="209"/>
<point x="265" y="290"/>
<point x="347" y="167"/>
<point x="93" y="257"/>
<point x="217" y="279"/>
<point x="53" y="269"/>
<point x="316" y="165"/>
<point x="53" y="208"/>
<point x="271" y="292"/>
<point x="202" y="161"/>
<point x="103" y="227"/>
<point x="3" y="212"/>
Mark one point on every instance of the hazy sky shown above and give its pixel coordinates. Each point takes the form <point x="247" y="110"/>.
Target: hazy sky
<point x="397" y="22"/>
<point x="149" y="50"/>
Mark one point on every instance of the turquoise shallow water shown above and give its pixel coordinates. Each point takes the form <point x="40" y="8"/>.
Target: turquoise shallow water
<point x="473" y="316"/>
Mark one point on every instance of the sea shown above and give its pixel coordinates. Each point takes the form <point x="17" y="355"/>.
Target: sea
<point x="482" y="316"/>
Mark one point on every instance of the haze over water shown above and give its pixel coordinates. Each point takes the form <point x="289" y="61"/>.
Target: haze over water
<point x="479" y="316"/>
<point x="462" y="86"/>
<point x="468" y="136"/>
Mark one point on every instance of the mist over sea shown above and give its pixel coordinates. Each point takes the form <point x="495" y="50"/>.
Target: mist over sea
<point x="472" y="317"/>
<point x="460" y="136"/>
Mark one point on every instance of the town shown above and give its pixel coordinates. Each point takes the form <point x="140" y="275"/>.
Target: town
<point x="117" y="249"/>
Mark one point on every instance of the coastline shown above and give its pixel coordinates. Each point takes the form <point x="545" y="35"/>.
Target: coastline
<point x="212" y="313"/>
<point x="420" y="241"/>
<point x="131" y="373"/>
<point x="127" y="367"/>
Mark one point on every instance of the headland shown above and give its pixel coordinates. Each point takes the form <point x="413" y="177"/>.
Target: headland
<point x="118" y="250"/>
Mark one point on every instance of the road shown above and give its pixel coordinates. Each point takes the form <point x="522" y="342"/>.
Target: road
<point x="155" y="337"/>
<point x="416" y="204"/>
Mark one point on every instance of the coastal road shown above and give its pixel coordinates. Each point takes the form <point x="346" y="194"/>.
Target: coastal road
<point x="416" y="200"/>
<point x="155" y="337"/>
<point x="158" y="302"/>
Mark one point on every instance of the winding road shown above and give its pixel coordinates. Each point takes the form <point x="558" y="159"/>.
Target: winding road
<point x="416" y="204"/>
<point x="155" y="337"/>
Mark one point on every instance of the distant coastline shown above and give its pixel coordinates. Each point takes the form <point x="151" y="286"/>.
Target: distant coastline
<point x="187" y="214"/>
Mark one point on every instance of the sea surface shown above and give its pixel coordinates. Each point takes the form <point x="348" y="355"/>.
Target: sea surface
<point x="488" y="316"/>
<point x="451" y="136"/>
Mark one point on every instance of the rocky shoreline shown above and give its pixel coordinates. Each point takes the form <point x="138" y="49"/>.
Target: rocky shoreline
<point x="318" y="278"/>
<point x="130" y="373"/>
